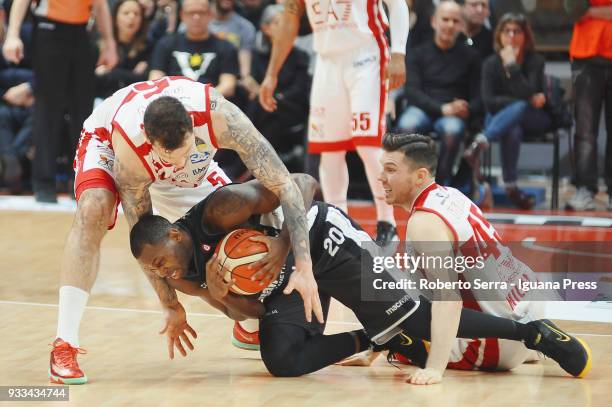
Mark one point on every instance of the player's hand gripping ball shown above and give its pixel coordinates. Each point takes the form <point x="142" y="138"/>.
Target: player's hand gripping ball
<point x="236" y="252"/>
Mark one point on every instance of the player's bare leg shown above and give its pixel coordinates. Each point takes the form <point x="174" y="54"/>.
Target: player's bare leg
<point x="334" y="178"/>
<point x="79" y="269"/>
<point x="385" y="230"/>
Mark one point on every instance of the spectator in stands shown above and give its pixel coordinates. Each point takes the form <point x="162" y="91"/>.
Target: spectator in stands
<point x="253" y="9"/>
<point x="476" y="33"/>
<point x="591" y="53"/>
<point x="443" y="87"/>
<point x="421" y="12"/>
<point x="162" y="16"/>
<point x="65" y="86"/>
<point x="130" y="32"/>
<point x="230" y="26"/>
<point x="16" y="120"/>
<point x="513" y="95"/>
<point x="285" y="127"/>
<point x="196" y="53"/>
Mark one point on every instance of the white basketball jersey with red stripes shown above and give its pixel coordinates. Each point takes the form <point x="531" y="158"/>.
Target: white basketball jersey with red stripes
<point x="124" y="112"/>
<point x="475" y="236"/>
<point x="342" y="25"/>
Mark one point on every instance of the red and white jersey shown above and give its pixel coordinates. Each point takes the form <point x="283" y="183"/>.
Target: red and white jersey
<point x="474" y="236"/>
<point x="341" y="25"/>
<point x="124" y="112"/>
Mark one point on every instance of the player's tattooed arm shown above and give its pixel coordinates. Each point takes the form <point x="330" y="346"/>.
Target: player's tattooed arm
<point x="136" y="202"/>
<point x="235" y="131"/>
<point x="239" y="134"/>
<point x="134" y="192"/>
<point x="232" y="206"/>
<point x="295" y="7"/>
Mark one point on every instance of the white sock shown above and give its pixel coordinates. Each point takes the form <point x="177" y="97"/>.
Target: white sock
<point x="72" y="301"/>
<point x="250" y="325"/>
<point x="334" y="178"/>
<point x="370" y="157"/>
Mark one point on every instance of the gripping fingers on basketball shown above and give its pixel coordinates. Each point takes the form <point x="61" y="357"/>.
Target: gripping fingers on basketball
<point x="215" y="273"/>
<point x="271" y="265"/>
<point x="425" y="377"/>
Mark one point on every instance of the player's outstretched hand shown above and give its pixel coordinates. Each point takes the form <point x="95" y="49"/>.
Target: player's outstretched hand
<point x="425" y="376"/>
<point x="176" y="330"/>
<point x="365" y="358"/>
<point x="266" y="93"/>
<point x="271" y="265"/>
<point x="302" y="280"/>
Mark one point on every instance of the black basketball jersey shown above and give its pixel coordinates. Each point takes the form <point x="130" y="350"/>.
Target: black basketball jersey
<point x="205" y="243"/>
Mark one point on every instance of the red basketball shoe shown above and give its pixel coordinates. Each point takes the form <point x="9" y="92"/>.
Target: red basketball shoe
<point x="243" y="339"/>
<point x="63" y="367"/>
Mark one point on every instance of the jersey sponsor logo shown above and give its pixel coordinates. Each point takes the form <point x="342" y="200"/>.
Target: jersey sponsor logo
<point x="193" y="65"/>
<point x="330" y="12"/>
<point x="199" y="157"/>
<point x="201" y="145"/>
<point x="398" y="304"/>
<point x="274" y="284"/>
<point x="199" y="171"/>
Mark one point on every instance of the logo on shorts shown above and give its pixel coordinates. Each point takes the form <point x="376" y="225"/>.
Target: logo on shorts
<point x="365" y="61"/>
<point x="205" y="248"/>
<point x="106" y="162"/>
<point x="397" y="305"/>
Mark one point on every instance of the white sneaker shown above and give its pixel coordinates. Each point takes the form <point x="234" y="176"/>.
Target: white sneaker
<point x="583" y="200"/>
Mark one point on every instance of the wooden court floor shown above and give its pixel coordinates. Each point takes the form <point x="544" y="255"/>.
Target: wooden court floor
<point x="127" y="362"/>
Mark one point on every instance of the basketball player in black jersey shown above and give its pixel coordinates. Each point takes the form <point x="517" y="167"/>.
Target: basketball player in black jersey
<point x="183" y="254"/>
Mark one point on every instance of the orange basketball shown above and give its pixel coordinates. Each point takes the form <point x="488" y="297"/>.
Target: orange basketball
<point x="236" y="252"/>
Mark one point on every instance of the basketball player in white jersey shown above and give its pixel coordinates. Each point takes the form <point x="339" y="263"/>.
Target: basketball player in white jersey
<point x="443" y="220"/>
<point x="151" y="145"/>
<point x="349" y="90"/>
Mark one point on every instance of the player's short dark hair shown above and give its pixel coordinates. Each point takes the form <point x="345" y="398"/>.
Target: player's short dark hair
<point x="150" y="229"/>
<point x="417" y="148"/>
<point x="166" y="122"/>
